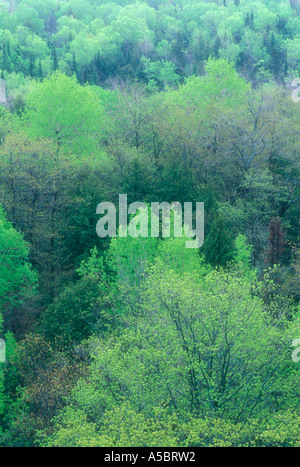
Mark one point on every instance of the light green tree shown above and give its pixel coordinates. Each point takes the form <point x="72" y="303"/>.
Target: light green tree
<point x="62" y="110"/>
<point x="204" y="355"/>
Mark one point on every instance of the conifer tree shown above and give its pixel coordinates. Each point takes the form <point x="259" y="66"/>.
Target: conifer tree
<point x="275" y="249"/>
<point x="218" y="246"/>
<point x="40" y="70"/>
<point x="54" y="56"/>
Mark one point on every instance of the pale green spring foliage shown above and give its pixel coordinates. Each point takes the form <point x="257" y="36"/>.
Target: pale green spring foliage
<point x="202" y="365"/>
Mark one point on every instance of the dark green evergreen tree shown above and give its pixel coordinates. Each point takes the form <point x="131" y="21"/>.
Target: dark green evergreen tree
<point x="40" y="70"/>
<point x="216" y="47"/>
<point x="31" y="66"/>
<point x="74" y="64"/>
<point x="218" y="246"/>
<point x="54" y="57"/>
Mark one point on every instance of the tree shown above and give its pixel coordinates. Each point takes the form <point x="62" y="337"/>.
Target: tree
<point x="17" y="279"/>
<point x="159" y="75"/>
<point x="40" y="72"/>
<point x="201" y="347"/>
<point x="45" y="377"/>
<point x="274" y="252"/>
<point x="33" y="190"/>
<point x="54" y="56"/>
<point x="75" y="314"/>
<point x="243" y="256"/>
<point x="7" y="380"/>
<point x="218" y="246"/>
<point x="60" y="109"/>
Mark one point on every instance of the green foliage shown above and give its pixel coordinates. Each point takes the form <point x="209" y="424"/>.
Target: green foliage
<point x="17" y="279"/>
<point x="160" y="41"/>
<point x="139" y="341"/>
<point x="72" y="316"/>
<point x="159" y="75"/>
<point x="61" y="110"/>
<point x="125" y="427"/>
<point x="243" y="256"/>
<point x="220" y="355"/>
<point x="218" y="244"/>
<point x="7" y="381"/>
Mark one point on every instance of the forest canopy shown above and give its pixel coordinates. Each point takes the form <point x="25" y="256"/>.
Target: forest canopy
<point x="130" y="342"/>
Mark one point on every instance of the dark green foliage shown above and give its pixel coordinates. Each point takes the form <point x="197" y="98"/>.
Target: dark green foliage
<point x="74" y="314"/>
<point x="218" y="245"/>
